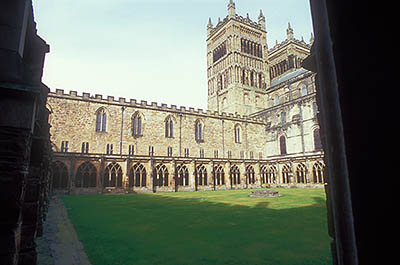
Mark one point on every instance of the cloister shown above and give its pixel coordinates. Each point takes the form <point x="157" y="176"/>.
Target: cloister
<point x="98" y="173"/>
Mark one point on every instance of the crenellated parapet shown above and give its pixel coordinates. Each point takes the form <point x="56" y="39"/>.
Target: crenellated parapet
<point x="101" y="99"/>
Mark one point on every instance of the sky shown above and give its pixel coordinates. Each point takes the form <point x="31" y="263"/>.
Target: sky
<point x="153" y="50"/>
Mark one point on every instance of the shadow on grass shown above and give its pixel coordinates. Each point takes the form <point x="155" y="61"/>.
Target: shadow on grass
<point x="148" y="229"/>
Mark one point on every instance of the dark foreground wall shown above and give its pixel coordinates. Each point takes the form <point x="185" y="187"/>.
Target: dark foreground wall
<point x="25" y="151"/>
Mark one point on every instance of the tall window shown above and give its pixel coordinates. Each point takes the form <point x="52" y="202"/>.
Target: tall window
<point x="317" y="141"/>
<point x="136" y="125"/>
<point x="303" y="90"/>
<point x="169" y="151"/>
<point x="237" y="134"/>
<point x="131" y="150"/>
<point x="64" y="146"/>
<point x="169" y="128"/>
<point x="112" y="176"/>
<point x="151" y="150"/>
<point x="282" y="144"/>
<point x="198" y="131"/>
<point x="101" y="119"/>
<point x="250" y="175"/>
<point x="85" y="148"/>
<point x="283" y="117"/>
<point x="234" y="175"/>
<point x="201" y="174"/>
<point x="109" y="149"/>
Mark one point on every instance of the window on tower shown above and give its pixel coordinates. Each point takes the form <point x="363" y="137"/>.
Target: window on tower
<point x="251" y="47"/>
<point x="219" y="52"/>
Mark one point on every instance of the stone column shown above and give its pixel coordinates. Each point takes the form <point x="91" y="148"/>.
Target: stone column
<point x="209" y="168"/>
<point x="227" y="167"/>
<point x="257" y="172"/>
<point x="191" y="167"/>
<point x="172" y="180"/>
<point x="242" y="169"/>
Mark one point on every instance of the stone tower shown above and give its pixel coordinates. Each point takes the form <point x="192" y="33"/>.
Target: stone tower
<point x="237" y="66"/>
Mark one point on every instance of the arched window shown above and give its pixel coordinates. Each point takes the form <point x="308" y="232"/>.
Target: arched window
<point x="86" y="176"/>
<point x="276" y="100"/>
<point x="260" y="84"/>
<point x="137" y="176"/>
<point x="161" y="175"/>
<point x="250" y="175"/>
<point x="113" y="175"/>
<point x="238" y="135"/>
<point x="264" y="174"/>
<point x="101" y="120"/>
<point x="286" y="174"/>
<point x="201" y="175"/>
<point x="303" y="90"/>
<point x="271" y="175"/>
<point x="219" y="175"/>
<point x="60" y="175"/>
<point x="182" y="175"/>
<point x="317" y="140"/>
<point x="282" y="145"/>
<point x="301" y="171"/>
<point x="318" y="173"/>
<point x="169" y="128"/>
<point x="198" y="131"/>
<point x="283" y="117"/>
<point x="136" y="125"/>
<point x="234" y="175"/>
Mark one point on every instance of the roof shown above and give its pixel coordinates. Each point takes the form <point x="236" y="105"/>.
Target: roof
<point x="288" y="76"/>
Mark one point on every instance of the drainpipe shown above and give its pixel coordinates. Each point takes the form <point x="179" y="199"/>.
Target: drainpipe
<point x="122" y="126"/>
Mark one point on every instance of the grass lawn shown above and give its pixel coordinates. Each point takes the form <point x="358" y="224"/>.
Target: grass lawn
<point x="224" y="227"/>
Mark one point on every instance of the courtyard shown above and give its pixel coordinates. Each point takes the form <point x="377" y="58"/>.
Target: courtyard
<point x="211" y="227"/>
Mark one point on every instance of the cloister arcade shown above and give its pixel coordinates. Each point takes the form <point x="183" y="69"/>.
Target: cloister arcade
<point x="97" y="175"/>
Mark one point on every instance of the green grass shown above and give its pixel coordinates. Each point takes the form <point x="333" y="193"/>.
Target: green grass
<point x="224" y="227"/>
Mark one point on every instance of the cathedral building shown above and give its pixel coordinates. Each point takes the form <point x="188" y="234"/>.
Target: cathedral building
<point x="260" y="128"/>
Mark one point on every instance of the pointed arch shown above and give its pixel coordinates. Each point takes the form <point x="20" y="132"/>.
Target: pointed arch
<point x="301" y="173"/>
<point x="101" y="120"/>
<point x="182" y="175"/>
<point x="219" y="175"/>
<point x="60" y="175"/>
<point x="201" y="174"/>
<point x="199" y="130"/>
<point x="282" y="145"/>
<point x="86" y="176"/>
<point x="137" y="124"/>
<point x="137" y="176"/>
<point x="169" y="126"/>
<point x="238" y="133"/>
<point x="318" y="173"/>
<point x="112" y="176"/>
<point x="234" y="175"/>
<point x="250" y="175"/>
<point x="286" y="172"/>
<point x="161" y="175"/>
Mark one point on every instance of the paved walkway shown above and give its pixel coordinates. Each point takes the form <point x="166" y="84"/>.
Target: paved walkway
<point x="59" y="244"/>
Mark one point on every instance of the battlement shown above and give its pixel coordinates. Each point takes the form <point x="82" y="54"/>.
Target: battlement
<point x="98" y="98"/>
<point x="245" y="20"/>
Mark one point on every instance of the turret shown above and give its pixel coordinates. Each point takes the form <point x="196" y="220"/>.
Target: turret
<point x="261" y="20"/>
<point x="231" y="9"/>
<point x="289" y="32"/>
<point x="209" y="27"/>
<point x="311" y="39"/>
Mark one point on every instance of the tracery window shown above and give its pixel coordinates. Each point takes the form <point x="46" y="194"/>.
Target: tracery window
<point x="219" y="175"/>
<point x="101" y="120"/>
<point x="286" y="174"/>
<point x="60" y="175"/>
<point x="161" y="175"/>
<point x="182" y="175"/>
<point x="271" y="175"/>
<point x="112" y="175"/>
<point x="318" y="173"/>
<point x="250" y="175"/>
<point x="304" y="90"/>
<point x="234" y="175"/>
<point x="201" y="175"/>
<point x="301" y="171"/>
<point x="86" y="176"/>
<point x="137" y="176"/>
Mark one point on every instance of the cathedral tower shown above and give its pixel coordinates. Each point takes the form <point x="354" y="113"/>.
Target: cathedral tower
<point x="237" y="67"/>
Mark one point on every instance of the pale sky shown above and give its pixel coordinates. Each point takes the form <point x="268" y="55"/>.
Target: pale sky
<point x="153" y="50"/>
